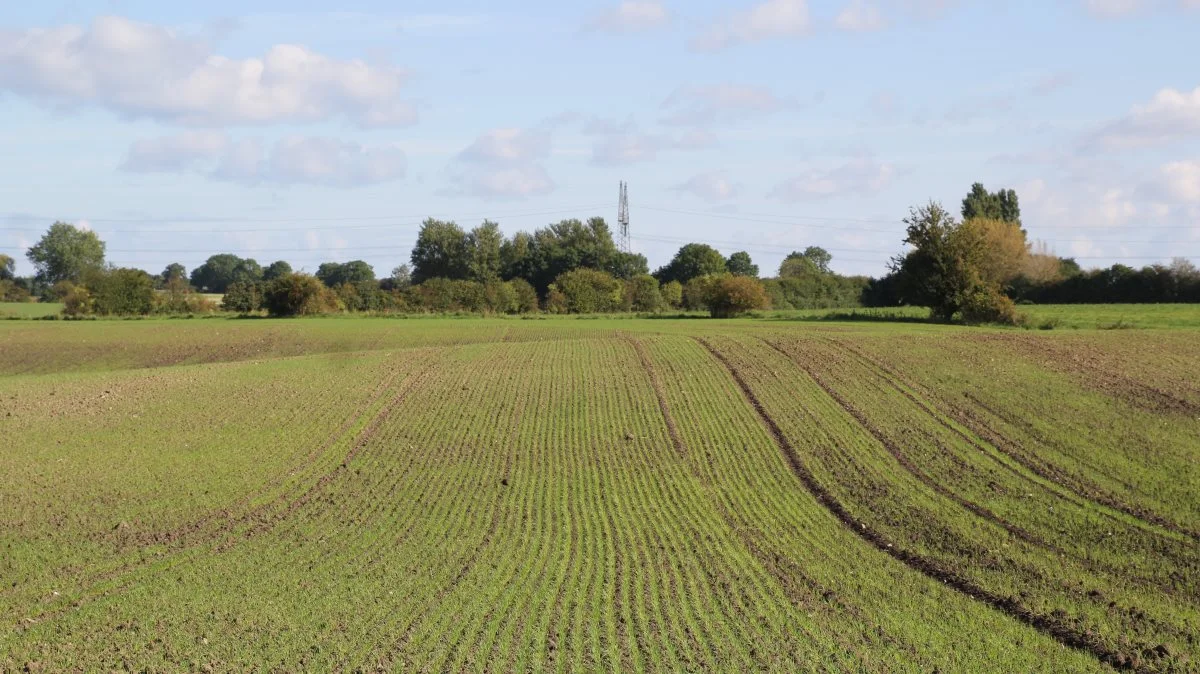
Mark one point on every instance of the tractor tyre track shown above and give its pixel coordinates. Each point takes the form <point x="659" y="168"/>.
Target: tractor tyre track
<point x="1058" y="629"/>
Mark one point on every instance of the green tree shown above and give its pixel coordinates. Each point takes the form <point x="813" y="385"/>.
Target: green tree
<point x="218" y="271"/>
<point x="276" y="269"/>
<point x="440" y="252"/>
<point x="172" y="272"/>
<point x="740" y="264"/>
<point x="8" y="268"/>
<point x="484" y="262"/>
<point x="629" y="265"/>
<point x="692" y="261"/>
<point x="334" y="274"/>
<point x="959" y="267"/>
<point x="564" y="246"/>
<point x="399" y="279"/>
<point x="516" y="256"/>
<point x="66" y="253"/>
<point x="1001" y="205"/>
<point x="814" y="260"/>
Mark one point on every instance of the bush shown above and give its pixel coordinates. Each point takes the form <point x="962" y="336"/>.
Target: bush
<point x="11" y="292"/>
<point x="78" y="301"/>
<point x="298" y="295"/>
<point x="732" y="295"/>
<point x="695" y="293"/>
<point x="588" y="291"/>
<point x="499" y="297"/>
<point x="177" y="298"/>
<point x="556" y="301"/>
<point x="58" y="292"/>
<point x="527" y="299"/>
<point x="989" y="305"/>
<point x="243" y="297"/>
<point x="121" y="292"/>
<point x="642" y="294"/>
<point x="672" y="294"/>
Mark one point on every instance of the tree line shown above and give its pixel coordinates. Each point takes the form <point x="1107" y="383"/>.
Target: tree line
<point x="973" y="269"/>
<point x="571" y="266"/>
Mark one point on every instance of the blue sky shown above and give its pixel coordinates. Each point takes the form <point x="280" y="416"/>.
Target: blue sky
<point x="287" y="130"/>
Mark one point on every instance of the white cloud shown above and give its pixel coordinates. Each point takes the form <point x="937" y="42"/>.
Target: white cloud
<point x="720" y="103"/>
<point x="1169" y="116"/>
<point x="1181" y="180"/>
<point x="1109" y="9"/>
<point x="625" y="143"/>
<point x="510" y="144"/>
<point x="506" y="163"/>
<point x="860" y="17"/>
<point x="524" y="180"/>
<point x="631" y="15"/>
<point x="856" y="177"/>
<point x="713" y="186"/>
<point x="144" y="70"/>
<point x="293" y="160"/>
<point x="765" y="20"/>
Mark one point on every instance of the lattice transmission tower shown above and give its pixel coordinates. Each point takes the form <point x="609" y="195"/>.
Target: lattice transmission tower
<point x="623" y="217"/>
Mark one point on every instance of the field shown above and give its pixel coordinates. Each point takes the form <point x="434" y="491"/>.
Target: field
<point x="599" y="495"/>
<point x="29" y="309"/>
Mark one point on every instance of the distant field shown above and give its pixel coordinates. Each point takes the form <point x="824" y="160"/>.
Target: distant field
<point x="29" y="309"/>
<point x="608" y="494"/>
<point x="1055" y="316"/>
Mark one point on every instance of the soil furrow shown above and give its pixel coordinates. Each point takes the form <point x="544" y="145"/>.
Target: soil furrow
<point x="1059" y="629"/>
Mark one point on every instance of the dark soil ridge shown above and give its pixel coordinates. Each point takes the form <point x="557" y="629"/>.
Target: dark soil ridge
<point x="1057" y="629"/>
<point x="906" y="463"/>
<point x="801" y="589"/>
<point x="895" y="381"/>
<point x="1053" y="474"/>
<point x="1076" y="485"/>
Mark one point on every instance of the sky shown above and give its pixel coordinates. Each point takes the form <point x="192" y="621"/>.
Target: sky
<point x="315" y="131"/>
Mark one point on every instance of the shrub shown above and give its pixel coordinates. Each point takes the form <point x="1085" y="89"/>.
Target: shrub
<point x="177" y="298"/>
<point x="732" y="295"/>
<point x="11" y="292"/>
<point x="527" y="299"/>
<point x="588" y="291"/>
<point x="298" y="295"/>
<point x="556" y="301"/>
<point x="672" y="294"/>
<point x="121" y="292"/>
<point x="989" y="305"/>
<point x="499" y="297"/>
<point x="642" y="294"/>
<point x="695" y="293"/>
<point x="78" y="301"/>
<point x="243" y="297"/>
<point x="58" y="292"/>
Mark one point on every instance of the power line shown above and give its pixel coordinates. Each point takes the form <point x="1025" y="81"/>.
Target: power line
<point x="416" y="223"/>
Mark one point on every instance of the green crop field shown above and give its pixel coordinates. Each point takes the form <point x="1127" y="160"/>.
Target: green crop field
<point x="788" y="493"/>
<point x="29" y="309"/>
